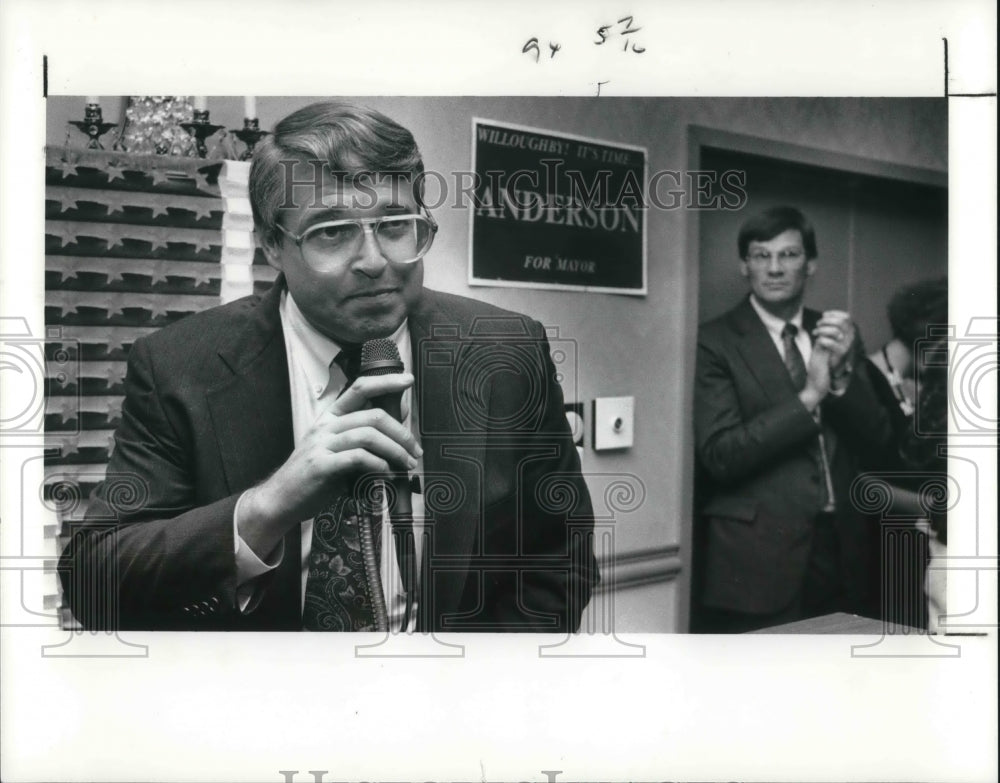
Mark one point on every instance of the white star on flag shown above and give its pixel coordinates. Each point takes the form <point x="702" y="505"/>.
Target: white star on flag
<point x="158" y="273"/>
<point x="67" y="168"/>
<point x="158" y="238"/>
<point x="113" y="171"/>
<point x="68" y="447"/>
<point x="202" y="208"/>
<point x="67" y="411"/>
<point x="201" y="241"/>
<point x="67" y="236"/>
<point x="201" y="278"/>
<point x="158" y="307"/>
<point x="115" y="341"/>
<point x="115" y="374"/>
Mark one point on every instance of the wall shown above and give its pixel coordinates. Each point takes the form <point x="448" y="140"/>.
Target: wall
<point x="626" y="345"/>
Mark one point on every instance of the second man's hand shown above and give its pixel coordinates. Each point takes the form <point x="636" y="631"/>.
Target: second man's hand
<point x="817" y="378"/>
<point x="836" y="333"/>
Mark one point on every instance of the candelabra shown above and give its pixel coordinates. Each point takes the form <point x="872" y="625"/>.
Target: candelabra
<point x="250" y="135"/>
<point x="200" y="128"/>
<point x="93" y="125"/>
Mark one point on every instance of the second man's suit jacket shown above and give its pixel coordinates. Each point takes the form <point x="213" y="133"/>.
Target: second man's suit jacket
<point x="207" y="414"/>
<point x="762" y="485"/>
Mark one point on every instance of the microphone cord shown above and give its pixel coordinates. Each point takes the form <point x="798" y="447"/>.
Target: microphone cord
<point x="402" y="531"/>
<point x="373" y="571"/>
<point x="381" y="357"/>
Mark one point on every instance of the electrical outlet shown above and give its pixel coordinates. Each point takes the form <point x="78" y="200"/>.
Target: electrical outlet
<point x="613" y="419"/>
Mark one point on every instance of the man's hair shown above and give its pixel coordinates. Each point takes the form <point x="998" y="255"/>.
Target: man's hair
<point x="915" y="307"/>
<point x="768" y="224"/>
<point x="345" y="139"/>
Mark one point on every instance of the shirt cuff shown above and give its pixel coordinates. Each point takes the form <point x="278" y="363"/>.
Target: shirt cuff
<point x="249" y="566"/>
<point x="840" y="381"/>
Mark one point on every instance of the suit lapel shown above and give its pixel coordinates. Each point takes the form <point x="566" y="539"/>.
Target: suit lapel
<point x="252" y="414"/>
<point x="760" y="354"/>
<point x="454" y="456"/>
<point x="809" y="320"/>
<point x="251" y="410"/>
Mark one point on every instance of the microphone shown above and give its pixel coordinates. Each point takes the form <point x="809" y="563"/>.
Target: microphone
<point x="381" y="357"/>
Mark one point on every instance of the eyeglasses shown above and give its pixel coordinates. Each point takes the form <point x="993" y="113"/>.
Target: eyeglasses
<point x="401" y="239"/>
<point x="786" y="257"/>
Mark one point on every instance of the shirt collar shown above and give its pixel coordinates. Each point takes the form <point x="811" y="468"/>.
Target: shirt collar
<point x="315" y="352"/>
<point x="772" y="323"/>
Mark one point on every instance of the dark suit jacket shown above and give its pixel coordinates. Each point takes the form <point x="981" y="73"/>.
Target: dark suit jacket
<point x="756" y="443"/>
<point x="207" y="414"/>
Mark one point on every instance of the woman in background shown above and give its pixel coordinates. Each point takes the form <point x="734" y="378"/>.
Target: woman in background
<point x="915" y="393"/>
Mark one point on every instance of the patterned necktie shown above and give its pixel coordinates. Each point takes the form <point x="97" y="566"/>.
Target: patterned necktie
<point x="793" y="357"/>
<point x="339" y="594"/>
<point x="349" y="360"/>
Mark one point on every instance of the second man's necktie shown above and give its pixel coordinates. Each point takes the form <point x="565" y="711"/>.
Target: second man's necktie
<point x="793" y="357"/>
<point x="797" y="372"/>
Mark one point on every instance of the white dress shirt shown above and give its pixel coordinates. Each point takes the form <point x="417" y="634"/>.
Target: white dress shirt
<point x="775" y="326"/>
<point x="314" y="380"/>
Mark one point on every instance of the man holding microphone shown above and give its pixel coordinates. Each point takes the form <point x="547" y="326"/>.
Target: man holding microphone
<point x="248" y="431"/>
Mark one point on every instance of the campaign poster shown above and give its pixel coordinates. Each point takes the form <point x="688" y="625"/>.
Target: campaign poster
<point x="554" y="210"/>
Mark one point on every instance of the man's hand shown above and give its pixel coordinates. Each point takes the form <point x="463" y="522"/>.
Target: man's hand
<point x="836" y="333"/>
<point x="817" y="378"/>
<point x="349" y="438"/>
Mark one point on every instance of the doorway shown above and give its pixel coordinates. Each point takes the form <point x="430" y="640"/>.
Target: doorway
<point x="879" y="226"/>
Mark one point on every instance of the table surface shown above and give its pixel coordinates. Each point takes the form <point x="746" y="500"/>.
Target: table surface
<point x="843" y="623"/>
